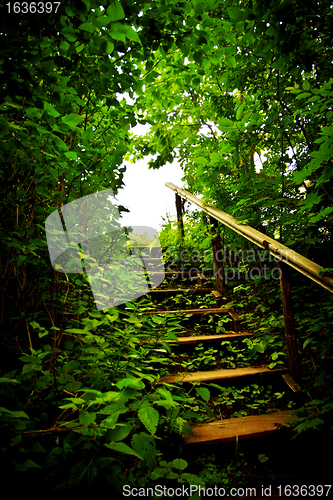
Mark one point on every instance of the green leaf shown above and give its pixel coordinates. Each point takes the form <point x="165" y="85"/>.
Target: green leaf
<point x="215" y="157"/>
<point x="239" y="111"/>
<point x="19" y="414"/>
<point x="28" y="464"/>
<point x="71" y="154"/>
<point x="204" y="393"/>
<point x="75" y="330"/>
<point x="201" y="160"/>
<point x="115" y="11"/>
<point x="313" y="423"/>
<point x="234" y="12"/>
<point x="87" y="418"/>
<point x="178" y="464"/>
<point x="303" y="95"/>
<point x="51" y="109"/>
<point x="64" y="47"/>
<point x="311" y="200"/>
<point x="117" y="35"/>
<point x="131" y="34"/>
<point x="260" y="347"/>
<point x="322" y="214"/>
<point x="306" y="85"/>
<point x="30" y="359"/>
<point x="231" y="61"/>
<point x="120" y="432"/>
<point x="88" y="134"/>
<point x="69" y="33"/>
<point x="168" y="402"/>
<point x="307" y="341"/>
<point x="4" y="380"/>
<point x="225" y="124"/>
<point x="72" y="120"/>
<point x="300" y="176"/>
<point x="143" y="444"/>
<point x="184" y="426"/>
<point x="80" y="471"/>
<point x="149" y="417"/>
<point x="157" y="319"/>
<point x="131" y="382"/>
<point x="87" y="27"/>
<point x="326" y="271"/>
<point x="123" y="448"/>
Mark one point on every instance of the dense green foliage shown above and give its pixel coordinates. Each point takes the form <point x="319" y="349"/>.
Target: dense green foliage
<point x="256" y="83"/>
<point x="221" y="83"/>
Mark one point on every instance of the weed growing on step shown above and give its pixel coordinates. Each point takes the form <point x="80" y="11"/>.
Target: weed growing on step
<point x="254" y="399"/>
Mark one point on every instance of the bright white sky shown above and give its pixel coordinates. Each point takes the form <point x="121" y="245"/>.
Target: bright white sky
<point x="145" y="193"/>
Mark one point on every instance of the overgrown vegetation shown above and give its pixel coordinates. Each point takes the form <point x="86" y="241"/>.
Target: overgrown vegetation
<point x="241" y="95"/>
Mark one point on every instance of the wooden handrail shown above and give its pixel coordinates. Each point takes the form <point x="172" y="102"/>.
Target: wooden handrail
<point x="285" y="254"/>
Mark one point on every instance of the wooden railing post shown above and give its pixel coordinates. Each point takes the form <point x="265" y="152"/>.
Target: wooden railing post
<point x="217" y="256"/>
<point x="180" y="216"/>
<point x="291" y="337"/>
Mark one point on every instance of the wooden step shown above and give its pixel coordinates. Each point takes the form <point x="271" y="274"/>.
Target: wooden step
<point x="179" y="291"/>
<point x="228" y="430"/>
<point x="219" y="375"/>
<point x="183" y="274"/>
<point x="208" y="339"/>
<point x="216" y="310"/>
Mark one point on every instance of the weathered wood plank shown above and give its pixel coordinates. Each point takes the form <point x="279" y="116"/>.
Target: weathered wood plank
<point x="209" y="338"/>
<point x="294" y="386"/>
<point x="223" y="431"/>
<point x="216" y="310"/>
<point x="183" y="273"/>
<point x="175" y="291"/>
<point x="222" y="374"/>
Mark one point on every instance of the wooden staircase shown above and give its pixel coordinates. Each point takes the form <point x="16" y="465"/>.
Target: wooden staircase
<point x="229" y="429"/>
